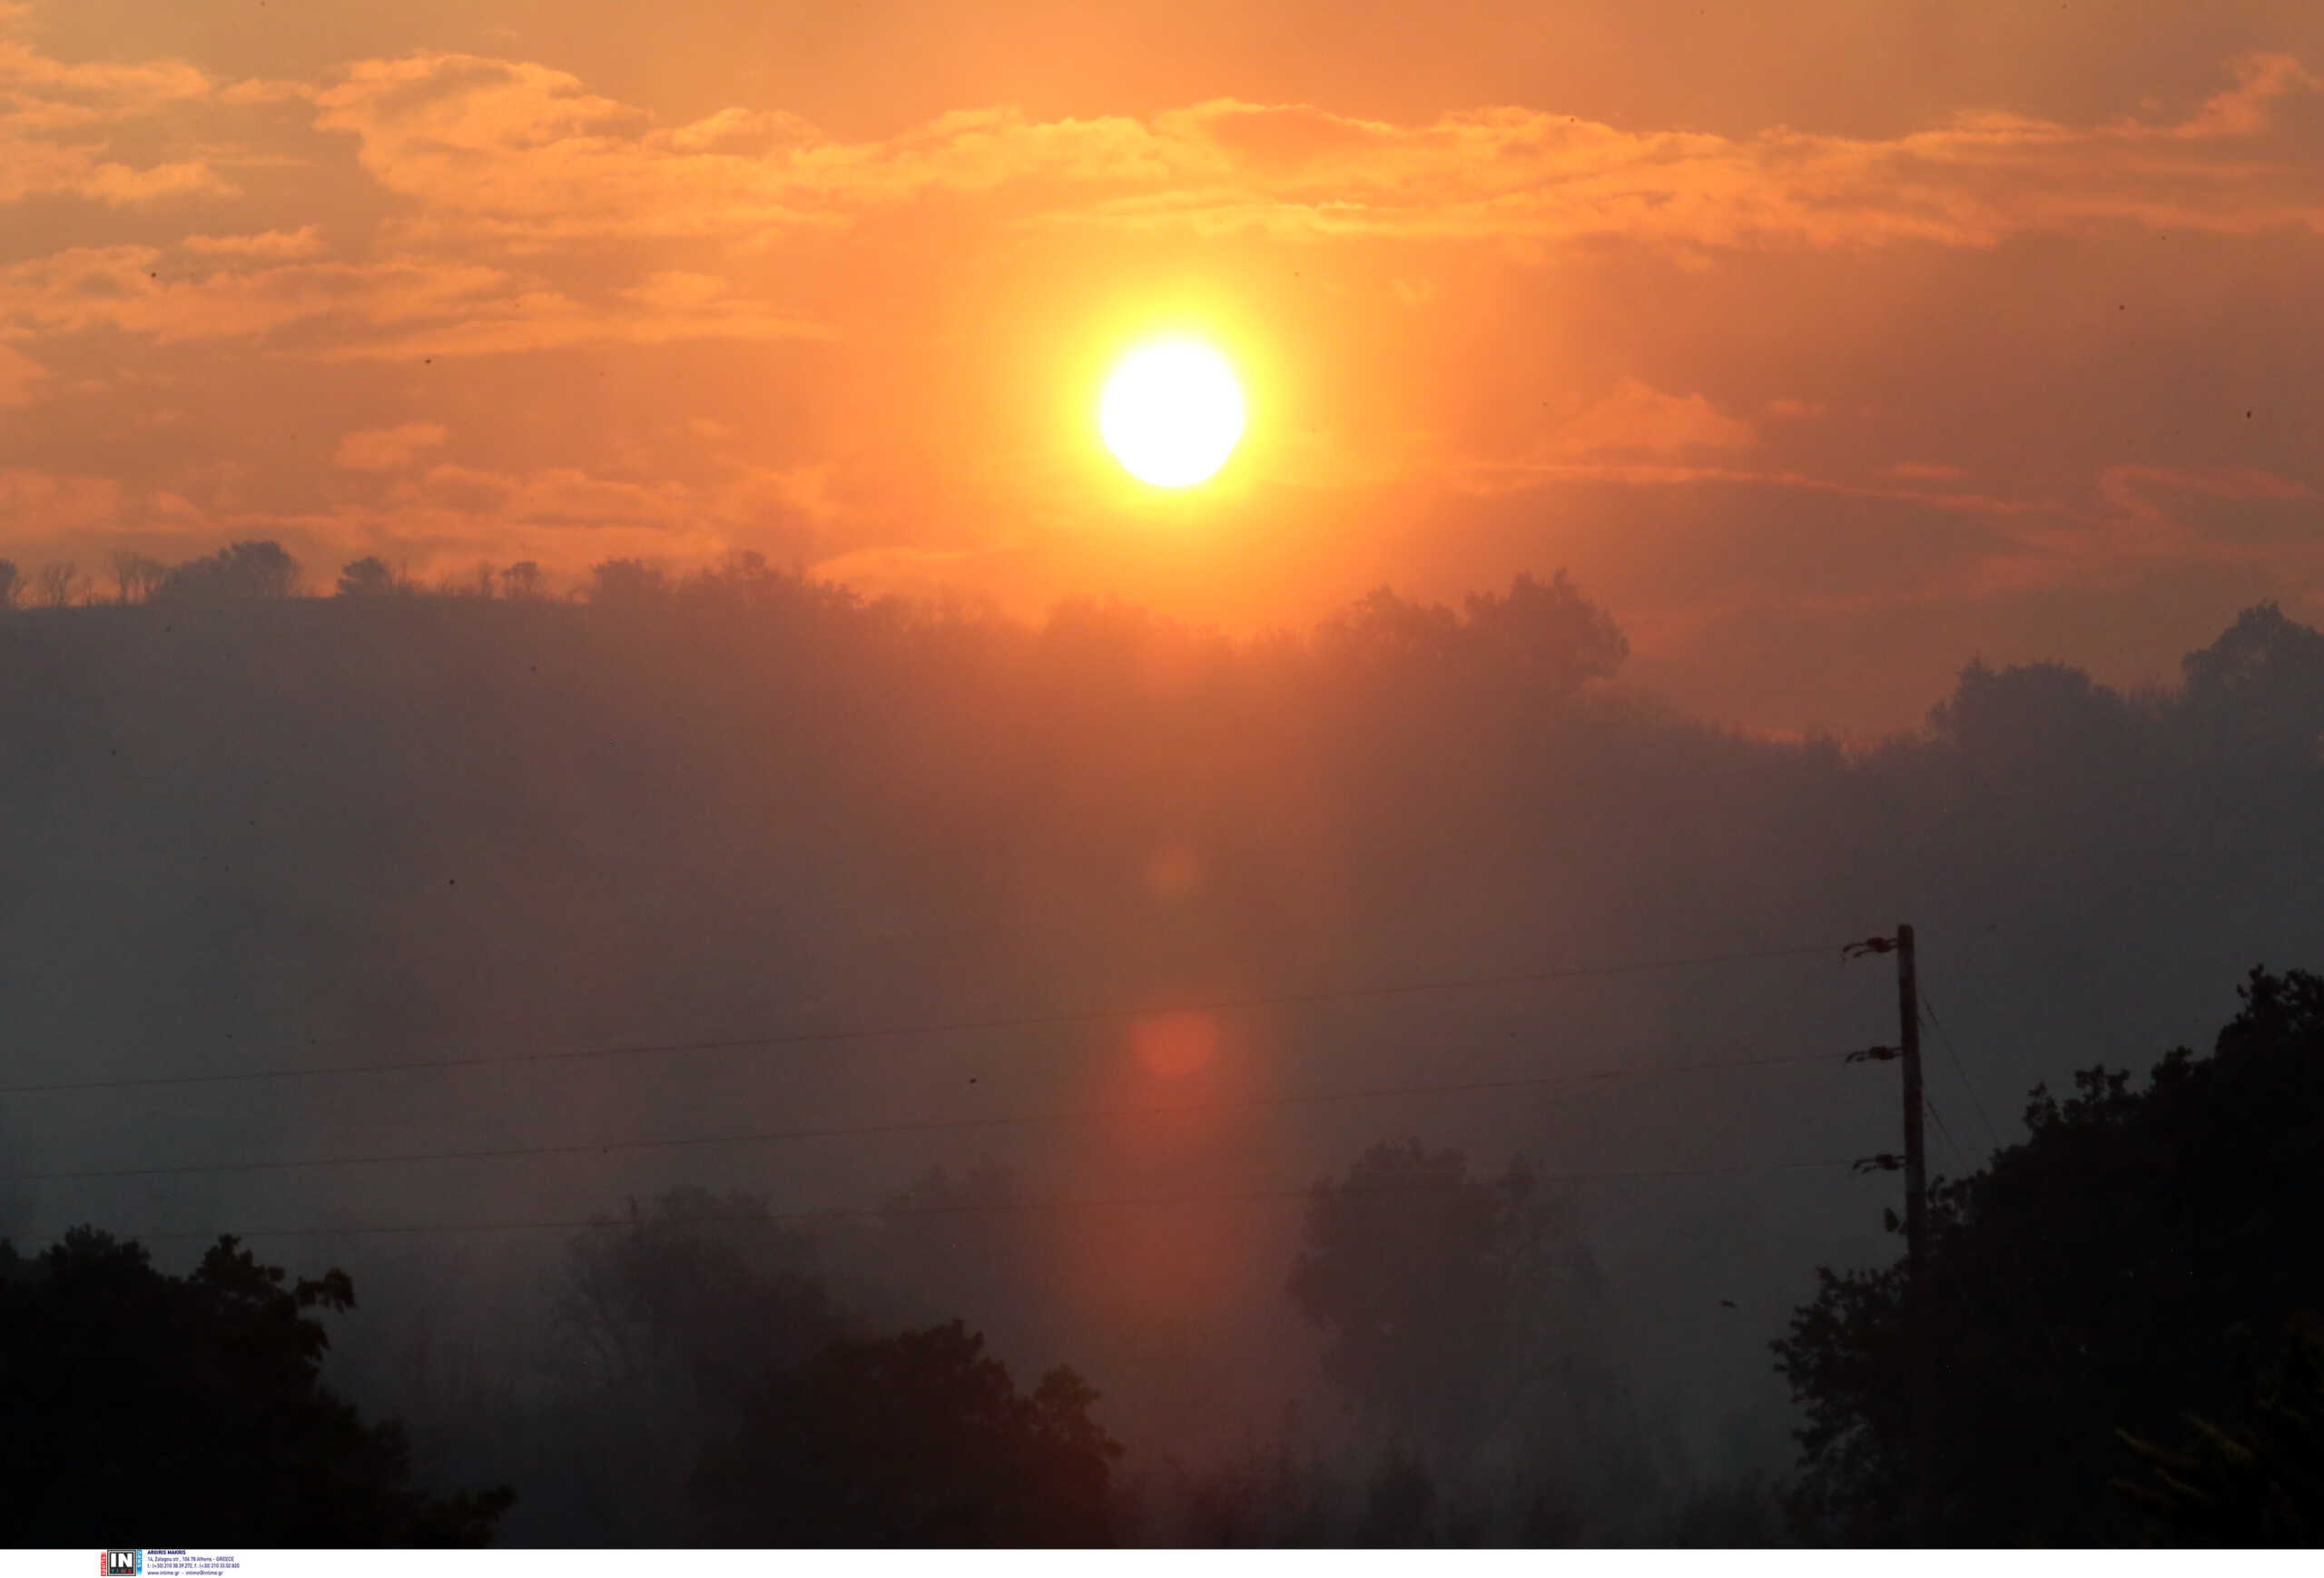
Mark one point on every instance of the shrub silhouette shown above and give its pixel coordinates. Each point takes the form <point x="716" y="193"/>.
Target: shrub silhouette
<point x="144" y="1408"/>
<point x="918" y="1439"/>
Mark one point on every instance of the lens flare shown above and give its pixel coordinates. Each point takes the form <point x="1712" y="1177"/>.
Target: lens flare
<point x="1172" y="413"/>
<point x="1171" y="1046"/>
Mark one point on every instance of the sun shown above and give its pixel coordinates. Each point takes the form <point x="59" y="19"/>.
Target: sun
<point x="1172" y="411"/>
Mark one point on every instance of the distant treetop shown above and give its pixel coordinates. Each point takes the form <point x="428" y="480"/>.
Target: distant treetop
<point x="241" y="571"/>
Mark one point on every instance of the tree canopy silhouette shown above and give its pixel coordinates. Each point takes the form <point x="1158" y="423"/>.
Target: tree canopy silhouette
<point x="367" y="577"/>
<point x="141" y="1407"/>
<point x="704" y="1289"/>
<point x="1441" y="1294"/>
<point x="1546" y="635"/>
<point x="238" y="572"/>
<point x="2090" y="1280"/>
<point x="2263" y="677"/>
<point x="673" y="1315"/>
<point x="918" y="1439"/>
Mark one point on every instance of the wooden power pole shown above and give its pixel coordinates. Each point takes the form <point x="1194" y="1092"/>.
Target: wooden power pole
<point x="1917" y="1289"/>
<point x="1920" y="1354"/>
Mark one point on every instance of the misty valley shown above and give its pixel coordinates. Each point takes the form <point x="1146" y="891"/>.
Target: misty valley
<point x="714" y="1058"/>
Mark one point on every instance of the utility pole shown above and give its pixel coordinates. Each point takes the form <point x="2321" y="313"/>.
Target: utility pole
<point x="1920" y="1357"/>
<point x="1917" y="1289"/>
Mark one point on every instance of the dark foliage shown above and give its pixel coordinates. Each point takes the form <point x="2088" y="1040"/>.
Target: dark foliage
<point x="239" y="572"/>
<point x="1540" y="639"/>
<point x="367" y="577"/>
<point x="1434" y="1288"/>
<point x="2090" y="1281"/>
<point x="706" y="1287"/>
<point x="670" y="1316"/>
<point x="920" y="1439"/>
<point x="177" y="1411"/>
<point x="2256" y="1480"/>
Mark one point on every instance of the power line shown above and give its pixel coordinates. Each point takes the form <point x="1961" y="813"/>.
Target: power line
<point x="1961" y="1069"/>
<point x="1943" y="1127"/>
<point x="833" y="1037"/>
<point x="966" y="1209"/>
<point x="916" y="1126"/>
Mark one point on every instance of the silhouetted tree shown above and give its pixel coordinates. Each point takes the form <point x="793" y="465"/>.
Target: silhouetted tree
<point x="2001" y="717"/>
<point x="920" y="1439"/>
<point x="2087" y="1281"/>
<point x="367" y="577"/>
<point x="56" y="585"/>
<point x="2264" y="678"/>
<point x="1541" y="639"/>
<point x="136" y="576"/>
<point x="11" y="584"/>
<point x="1548" y="632"/>
<point x="522" y="580"/>
<point x="702" y="1289"/>
<point x="674" y="1314"/>
<point x="1384" y="628"/>
<point x="626" y="583"/>
<point x="239" y="572"/>
<point x="188" y="1411"/>
<point x="1439" y="1293"/>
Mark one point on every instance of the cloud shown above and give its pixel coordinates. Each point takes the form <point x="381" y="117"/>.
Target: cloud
<point x="36" y="503"/>
<point x="386" y="448"/>
<point x="124" y="288"/>
<point x="401" y="306"/>
<point x="2146" y="526"/>
<point x="545" y="320"/>
<point x="56" y="118"/>
<point x="522" y="151"/>
<point x="1636" y="419"/>
<point x="1524" y="173"/>
<point x="571" y="496"/>
<point x="524" y="147"/>
<point x="20" y="375"/>
<point x="269" y="246"/>
<point x="32" y="166"/>
<point x="100" y="89"/>
<point x="494" y="158"/>
<point x="559" y="496"/>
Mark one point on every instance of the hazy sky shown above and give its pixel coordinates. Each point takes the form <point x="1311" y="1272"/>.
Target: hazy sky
<point x="1825" y="352"/>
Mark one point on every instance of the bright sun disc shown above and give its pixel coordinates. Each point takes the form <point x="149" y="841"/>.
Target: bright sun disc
<point x="1171" y="412"/>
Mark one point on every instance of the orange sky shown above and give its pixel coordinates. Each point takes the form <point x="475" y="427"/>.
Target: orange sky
<point x="1826" y="353"/>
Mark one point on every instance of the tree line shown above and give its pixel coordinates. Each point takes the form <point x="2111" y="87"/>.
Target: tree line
<point x="1549" y="626"/>
<point x="262" y="570"/>
<point x="2125" y="1314"/>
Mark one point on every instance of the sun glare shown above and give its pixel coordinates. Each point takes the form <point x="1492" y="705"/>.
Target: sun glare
<point x="1172" y="413"/>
